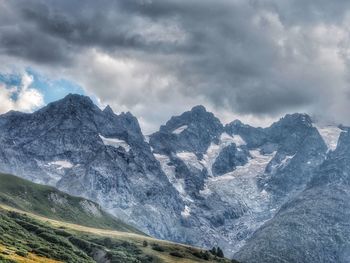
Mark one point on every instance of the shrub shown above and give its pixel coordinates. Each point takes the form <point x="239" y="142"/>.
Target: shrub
<point x="145" y="259"/>
<point x="33" y="245"/>
<point x="5" y="260"/>
<point x="62" y="233"/>
<point x="220" y="253"/>
<point x="145" y="243"/>
<point x="22" y="253"/>
<point x="176" y="254"/>
<point x="202" y="255"/>
<point x="28" y="226"/>
<point x="158" y="248"/>
<point x="217" y="252"/>
<point x="108" y="242"/>
<point x="54" y="239"/>
<point x="43" y="251"/>
<point x="82" y="244"/>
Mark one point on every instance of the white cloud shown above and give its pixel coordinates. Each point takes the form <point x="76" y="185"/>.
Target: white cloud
<point x="21" y="98"/>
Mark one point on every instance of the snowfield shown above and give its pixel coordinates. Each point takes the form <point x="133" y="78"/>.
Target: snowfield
<point x="63" y="164"/>
<point x="115" y="143"/>
<point x="330" y="135"/>
<point x="180" y="129"/>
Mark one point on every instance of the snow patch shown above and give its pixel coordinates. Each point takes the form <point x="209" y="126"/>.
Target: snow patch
<point x="280" y="164"/>
<point x="186" y="212"/>
<point x="205" y="192"/>
<point x="169" y="171"/>
<point x="63" y="164"/>
<point x="330" y="135"/>
<point x="190" y="159"/>
<point x="115" y="142"/>
<point x="286" y="160"/>
<point x="240" y="186"/>
<point x="238" y="140"/>
<point x="254" y="167"/>
<point x="215" y="149"/>
<point x="180" y="129"/>
<point x="147" y="138"/>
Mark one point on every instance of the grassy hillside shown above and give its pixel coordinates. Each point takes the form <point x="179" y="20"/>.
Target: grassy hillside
<point x="30" y="238"/>
<point x="41" y="224"/>
<point x="49" y="202"/>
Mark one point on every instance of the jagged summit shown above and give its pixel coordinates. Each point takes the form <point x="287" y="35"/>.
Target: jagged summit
<point x="73" y="100"/>
<point x="295" y="119"/>
<point x="76" y="97"/>
<point x="108" y="110"/>
<point x="71" y="106"/>
<point x="199" y="109"/>
<point x="236" y="123"/>
<point x="191" y="131"/>
<point x="197" y="115"/>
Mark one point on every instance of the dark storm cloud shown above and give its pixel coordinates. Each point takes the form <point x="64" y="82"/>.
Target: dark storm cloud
<point x="310" y="11"/>
<point x="30" y="44"/>
<point x="99" y="24"/>
<point x="253" y="57"/>
<point x="94" y="30"/>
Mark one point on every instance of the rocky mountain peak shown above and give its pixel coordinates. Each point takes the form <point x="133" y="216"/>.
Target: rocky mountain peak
<point x="191" y="131"/>
<point x="237" y="123"/>
<point x="71" y="106"/>
<point x="292" y="129"/>
<point x="198" y="115"/>
<point x="199" y="109"/>
<point x="74" y="100"/>
<point x="294" y="120"/>
<point x="108" y="110"/>
<point x="254" y="137"/>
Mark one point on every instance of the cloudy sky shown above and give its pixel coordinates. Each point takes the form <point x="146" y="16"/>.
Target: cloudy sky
<point x="250" y="59"/>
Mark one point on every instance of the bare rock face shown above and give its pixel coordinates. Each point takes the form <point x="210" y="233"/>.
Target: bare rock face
<point x="73" y="145"/>
<point x="313" y="226"/>
<point x="233" y="179"/>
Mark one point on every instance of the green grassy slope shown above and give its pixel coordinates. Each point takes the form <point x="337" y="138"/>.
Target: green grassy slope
<point x="49" y="202"/>
<point x="24" y="236"/>
<point x="27" y="238"/>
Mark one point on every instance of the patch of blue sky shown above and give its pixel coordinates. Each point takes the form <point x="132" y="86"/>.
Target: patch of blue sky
<point x="11" y="80"/>
<point x="51" y="89"/>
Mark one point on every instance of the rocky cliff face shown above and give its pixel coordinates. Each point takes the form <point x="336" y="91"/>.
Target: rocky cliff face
<point x="195" y="181"/>
<point x="244" y="175"/>
<point x="73" y="145"/>
<point x="313" y="226"/>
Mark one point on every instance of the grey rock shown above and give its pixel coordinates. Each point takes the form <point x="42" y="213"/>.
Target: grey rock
<point x="202" y="128"/>
<point x="229" y="158"/>
<point x="61" y="145"/>
<point x="315" y="225"/>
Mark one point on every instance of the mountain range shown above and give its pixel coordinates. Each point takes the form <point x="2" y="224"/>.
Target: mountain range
<point x="275" y="194"/>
